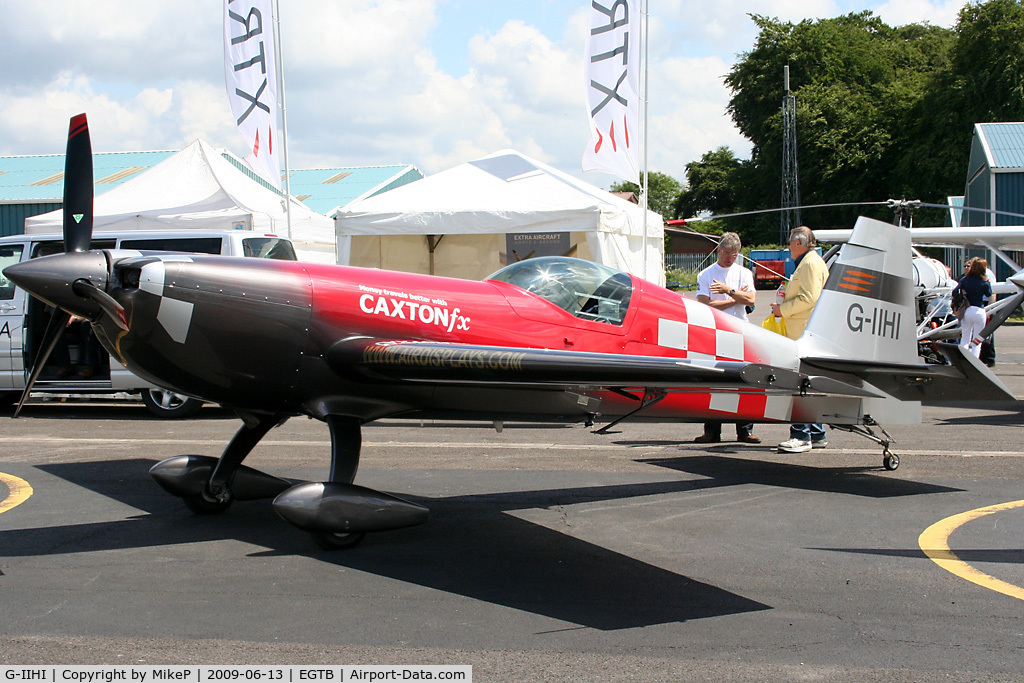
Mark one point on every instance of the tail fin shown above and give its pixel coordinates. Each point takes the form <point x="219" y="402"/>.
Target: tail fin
<point x="864" y="325"/>
<point x="866" y="311"/>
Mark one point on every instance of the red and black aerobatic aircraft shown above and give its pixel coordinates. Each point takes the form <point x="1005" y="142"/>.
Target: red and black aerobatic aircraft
<point x="555" y="339"/>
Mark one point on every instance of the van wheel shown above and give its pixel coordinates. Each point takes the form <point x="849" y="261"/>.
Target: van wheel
<point x="8" y="399"/>
<point x="168" y="404"/>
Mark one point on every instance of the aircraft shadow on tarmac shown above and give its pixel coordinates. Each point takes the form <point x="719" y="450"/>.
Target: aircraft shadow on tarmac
<point x="470" y="548"/>
<point x="1003" y="413"/>
<point x="854" y="481"/>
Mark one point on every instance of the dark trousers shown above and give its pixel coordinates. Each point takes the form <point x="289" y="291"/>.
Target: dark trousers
<point x="715" y="428"/>
<point x="988" y="350"/>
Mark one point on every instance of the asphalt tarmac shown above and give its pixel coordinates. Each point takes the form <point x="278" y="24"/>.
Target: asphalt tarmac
<point x="552" y="553"/>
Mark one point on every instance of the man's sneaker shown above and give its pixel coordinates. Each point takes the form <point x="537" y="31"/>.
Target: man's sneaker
<point x="707" y="438"/>
<point x="794" y="446"/>
<point x="820" y="443"/>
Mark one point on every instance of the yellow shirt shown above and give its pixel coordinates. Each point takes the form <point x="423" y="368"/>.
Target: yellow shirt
<point x="802" y="293"/>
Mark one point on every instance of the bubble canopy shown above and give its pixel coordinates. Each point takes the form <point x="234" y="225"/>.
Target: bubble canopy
<point x="585" y="289"/>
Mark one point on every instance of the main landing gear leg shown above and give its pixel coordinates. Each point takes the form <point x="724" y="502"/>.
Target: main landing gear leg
<point x="208" y="486"/>
<point x="346" y="442"/>
<point x="890" y="460"/>
<point x="337" y="513"/>
<point x="216" y="495"/>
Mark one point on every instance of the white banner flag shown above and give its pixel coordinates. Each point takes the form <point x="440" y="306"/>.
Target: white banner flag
<point x="250" y="69"/>
<point x="613" y="86"/>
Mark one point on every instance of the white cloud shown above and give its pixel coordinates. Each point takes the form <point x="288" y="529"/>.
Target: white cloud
<point x="688" y="106"/>
<point x="901" y="12"/>
<point x="363" y="86"/>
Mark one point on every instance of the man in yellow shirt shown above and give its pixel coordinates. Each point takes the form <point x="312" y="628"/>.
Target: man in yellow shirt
<point x="802" y="294"/>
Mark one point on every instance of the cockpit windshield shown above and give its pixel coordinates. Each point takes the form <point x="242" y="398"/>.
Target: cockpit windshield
<point x="585" y="289"/>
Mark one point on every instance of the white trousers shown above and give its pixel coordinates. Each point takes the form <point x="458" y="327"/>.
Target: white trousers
<point x="971" y="326"/>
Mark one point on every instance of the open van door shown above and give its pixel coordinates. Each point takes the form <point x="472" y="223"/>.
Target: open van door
<point x="12" y="319"/>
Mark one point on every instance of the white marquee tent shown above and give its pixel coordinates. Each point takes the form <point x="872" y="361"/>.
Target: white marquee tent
<point x="198" y="188"/>
<point x="475" y="205"/>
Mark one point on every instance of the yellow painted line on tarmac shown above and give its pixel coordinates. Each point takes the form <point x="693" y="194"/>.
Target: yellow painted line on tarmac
<point x="934" y="541"/>
<point x="18" y="491"/>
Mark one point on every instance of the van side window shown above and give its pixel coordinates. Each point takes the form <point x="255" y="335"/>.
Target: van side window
<point x="268" y="247"/>
<point x="194" y="245"/>
<point x="9" y="255"/>
<point x="57" y="247"/>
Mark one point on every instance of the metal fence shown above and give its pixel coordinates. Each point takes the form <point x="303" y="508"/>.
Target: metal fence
<point x="692" y="262"/>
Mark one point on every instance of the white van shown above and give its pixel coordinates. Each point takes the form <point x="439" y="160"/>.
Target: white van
<point x="79" y="365"/>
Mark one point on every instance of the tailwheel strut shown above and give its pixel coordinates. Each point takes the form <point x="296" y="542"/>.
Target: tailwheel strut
<point x="890" y="460"/>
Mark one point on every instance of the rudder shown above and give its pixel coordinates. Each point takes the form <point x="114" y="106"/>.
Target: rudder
<point x="866" y="310"/>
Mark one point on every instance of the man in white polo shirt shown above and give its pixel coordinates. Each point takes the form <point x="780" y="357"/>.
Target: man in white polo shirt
<point x="729" y="287"/>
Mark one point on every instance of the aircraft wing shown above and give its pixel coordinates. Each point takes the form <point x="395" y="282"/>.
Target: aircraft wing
<point x="992" y="236"/>
<point x="509" y="367"/>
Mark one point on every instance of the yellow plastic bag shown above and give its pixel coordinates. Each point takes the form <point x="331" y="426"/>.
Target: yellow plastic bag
<point x="779" y="327"/>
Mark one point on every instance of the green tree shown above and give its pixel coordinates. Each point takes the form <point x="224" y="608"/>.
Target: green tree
<point x="983" y="82"/>
<point x="711" y="184"/>
<point x="663" y="191"/>
<point x="855" y="80"/>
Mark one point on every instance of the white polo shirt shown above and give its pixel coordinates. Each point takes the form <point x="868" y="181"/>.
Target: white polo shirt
<point x="736" y="276"/>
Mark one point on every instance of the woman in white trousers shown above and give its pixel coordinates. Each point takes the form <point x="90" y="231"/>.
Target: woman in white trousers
<point x="978" y="291"/>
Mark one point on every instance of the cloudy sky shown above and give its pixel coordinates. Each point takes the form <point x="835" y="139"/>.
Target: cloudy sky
<point x="431" y="83"/>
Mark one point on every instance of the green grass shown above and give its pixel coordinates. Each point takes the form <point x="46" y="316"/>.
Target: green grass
<point x="681" y="279"/>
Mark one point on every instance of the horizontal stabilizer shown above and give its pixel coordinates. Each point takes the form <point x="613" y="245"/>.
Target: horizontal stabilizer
<point x="964" y="379"/>
<point x="781" y="379"/>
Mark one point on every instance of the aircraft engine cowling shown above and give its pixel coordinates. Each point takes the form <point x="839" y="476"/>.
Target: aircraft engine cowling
<point x="220" y="329"/>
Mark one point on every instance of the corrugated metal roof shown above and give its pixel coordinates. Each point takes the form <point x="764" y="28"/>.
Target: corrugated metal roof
<point x="330" y="188"/>
<point x="40" y="178"/>
<point x="325" y="189"/>
<point x="1004" y="144"/>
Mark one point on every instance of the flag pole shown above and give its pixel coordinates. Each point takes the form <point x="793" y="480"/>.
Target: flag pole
<point x="284" y="117"/>
<point x="646" y="38"/>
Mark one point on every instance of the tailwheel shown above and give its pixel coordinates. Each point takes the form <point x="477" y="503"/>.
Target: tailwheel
<point x="336" y="541"/>
<point x="890" y="460"/>
<point x="203" y="503"/>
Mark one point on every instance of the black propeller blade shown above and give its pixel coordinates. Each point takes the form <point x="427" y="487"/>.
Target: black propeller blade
<point x="78" y="197"/>
<point x="78" y="192"/>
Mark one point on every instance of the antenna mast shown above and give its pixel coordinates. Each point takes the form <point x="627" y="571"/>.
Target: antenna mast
<point x="790" y="216"/>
